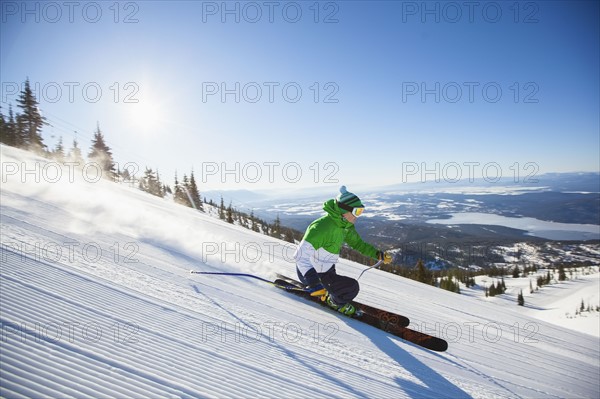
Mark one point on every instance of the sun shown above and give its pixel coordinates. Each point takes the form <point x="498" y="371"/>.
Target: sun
<point x="144" y="116"/>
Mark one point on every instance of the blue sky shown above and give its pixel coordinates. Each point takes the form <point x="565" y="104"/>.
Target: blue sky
<point x="292" y="94"/>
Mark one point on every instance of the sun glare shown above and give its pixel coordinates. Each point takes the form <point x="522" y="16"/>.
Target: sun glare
<point x="144" y="117"/>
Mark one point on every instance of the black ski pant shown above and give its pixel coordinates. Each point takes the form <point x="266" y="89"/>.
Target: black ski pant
<point x="342" y="289"/>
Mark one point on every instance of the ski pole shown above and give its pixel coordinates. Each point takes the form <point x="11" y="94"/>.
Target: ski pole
<point x="369" y="268"/>
<point x="286" y="287"/>
<point x="232" y="274"/>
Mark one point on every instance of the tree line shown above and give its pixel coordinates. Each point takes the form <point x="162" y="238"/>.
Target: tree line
<point x="451" y="279"/>
<point x="23" y="129"/>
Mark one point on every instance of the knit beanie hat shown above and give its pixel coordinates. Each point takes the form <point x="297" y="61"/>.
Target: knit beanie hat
<point x="348" y="199"/>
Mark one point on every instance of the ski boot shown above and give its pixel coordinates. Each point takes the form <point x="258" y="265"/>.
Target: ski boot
<point x="348" y="309"/>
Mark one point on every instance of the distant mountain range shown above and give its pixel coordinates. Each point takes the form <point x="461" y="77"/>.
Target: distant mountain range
<point x="401" y="212"/>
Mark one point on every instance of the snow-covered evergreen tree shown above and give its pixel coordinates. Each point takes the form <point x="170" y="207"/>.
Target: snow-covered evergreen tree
<point x="75" y="155"/>
<point x="194" y="193"/>
<point x="59" y="151"/>
<point x="150" y="183"/>
<point x="178" y="193"/>
<point x="222" y="210"/>
<point x="276" y="228"/>
<point x="101" y="154"/>
<point x="521" y="299"/>
<point x="30" y="121"/>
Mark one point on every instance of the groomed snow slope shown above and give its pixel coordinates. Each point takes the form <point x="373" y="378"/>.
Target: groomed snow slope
<point x="97" y="301"/>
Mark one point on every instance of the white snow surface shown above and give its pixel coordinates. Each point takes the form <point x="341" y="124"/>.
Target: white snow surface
<point x="97" y="300"/>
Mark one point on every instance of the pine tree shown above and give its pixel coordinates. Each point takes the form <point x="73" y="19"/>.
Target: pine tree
<point x="194" y="193"/>
<point x="471" y="281"/>
<point x="75" y="156"/>
<point x="276" y="228"/>
<point x="242" y="220"/>
<point x="222" y="209"/>
<point x="516" y="272"/>
<point x="150" y="183"/>
<point x="14" y="136"/>
<point x="230" y="214"/>
<point x="8" y="129"/>
<point x="521" y="299"/>
<point x="422" y="274"/>
<point x="178" y="194"/>
<point x="125" y="176"/>
<point x="530" y="287"/>
<point x="159" y="186"/>
<point x="4" y="135"/>
<point x="288" y="235"/>
<point x="493" y="271"/>
<point x="59" y="151"/>
<point x="185" y="191"/>
<point x="253" y="222"/>
<point x="30" y="120"/>
<point x="448" y="284"/>
<point x="101" y="154"/>
<point x="497" y="288"/>
<point x="561" y="273"/>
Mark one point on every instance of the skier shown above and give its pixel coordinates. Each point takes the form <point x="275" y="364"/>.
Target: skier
<point x="319" y="249"/>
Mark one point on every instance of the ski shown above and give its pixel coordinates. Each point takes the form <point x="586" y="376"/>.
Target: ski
<point x="384" y="317"/>
<point x="389" y="322"/>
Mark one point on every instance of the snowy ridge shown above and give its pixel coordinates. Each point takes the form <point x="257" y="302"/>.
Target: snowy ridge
<point x="97" y="301"/>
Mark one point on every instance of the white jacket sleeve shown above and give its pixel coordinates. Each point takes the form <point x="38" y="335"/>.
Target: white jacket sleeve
<point x="308" y="257"/>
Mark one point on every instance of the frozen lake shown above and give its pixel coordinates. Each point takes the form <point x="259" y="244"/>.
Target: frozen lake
<point x="534" y="227"/>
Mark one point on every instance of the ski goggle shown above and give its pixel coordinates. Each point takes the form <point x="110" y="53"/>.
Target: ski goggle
<point x="358" y="211"/>
<point x="355" y="211"/>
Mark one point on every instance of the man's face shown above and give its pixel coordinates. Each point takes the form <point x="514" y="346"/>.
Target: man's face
<point x="349" y="217"/>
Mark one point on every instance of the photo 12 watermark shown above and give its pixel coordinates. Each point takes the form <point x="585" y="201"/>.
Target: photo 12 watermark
<point x="470" y="92"/>
<point x="442" y="251"/>
<point x="86" y="332"/>
<point x="248" y="252"/>
<point x="271" y="172"/>
<point x="270" y="92"/>
<point x="61" y="171"/>
<point x="469" y="171"/>
<point x="471" y="12"/>
<point x="53" y="12"/>
<point x="267" y="331"/>
<point x="253" y="12"/>
<point x="490" y="332"/>
<point x="86" y="253"/>
<point x="73" y="92"/>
